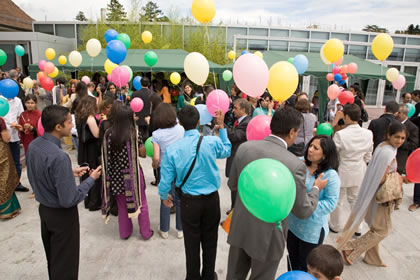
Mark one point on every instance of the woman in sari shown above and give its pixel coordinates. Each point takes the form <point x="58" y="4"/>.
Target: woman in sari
<point x="9" y="204"/>
<point x="377" y="216"/>
<point x="29" y="121"/>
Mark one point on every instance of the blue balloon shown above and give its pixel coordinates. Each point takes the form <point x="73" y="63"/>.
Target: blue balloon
<point x="110" y="35"/>
<point x="296" y="275"/>
<point x="9" y="88"/>
<point x="136" y="82"/>
<point x="244" y="52"/>
<point x="205" y="116"/>
<point x="301" y="63"/>
<point x="116" y="51"/>
<point x="338" y="77"/>
<point x="342" y="83"/>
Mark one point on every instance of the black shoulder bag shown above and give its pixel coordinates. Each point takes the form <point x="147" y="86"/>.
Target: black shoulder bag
<point x="192" y="164"/>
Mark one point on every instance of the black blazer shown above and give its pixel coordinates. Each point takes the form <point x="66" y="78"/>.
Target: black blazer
<point x="237" y="136"/>
<point x="379" y="127"/>
<point x="410" y="144"/>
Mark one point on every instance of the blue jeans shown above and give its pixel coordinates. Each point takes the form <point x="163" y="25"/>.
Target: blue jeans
<point x="15" y="150"/>
<point x="165" y="212"/>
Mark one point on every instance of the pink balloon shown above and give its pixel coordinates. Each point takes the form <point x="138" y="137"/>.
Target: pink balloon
<point x="346" y="97"/>
<point x="338" y="62"/>
<point x="41" y="64"/>
<point x="251" y="74"/>
<point x="40" y="128"/>
<point x="336" y="70"/>
<point x="120" y="76"/>
<point x="136" y="104"/>
<point x="330" y="77"/>
<point x="49" y="67"/>
<point x="333" y="91"/>
<point x="217" y="99"/>
<point x="344" y="68"/>
<point x="86" y="79"/>
<point x="352" y="68"/>
<point x="258" y="128"/>
<point x="109" y="77"/>
<point x="399" y="83"/>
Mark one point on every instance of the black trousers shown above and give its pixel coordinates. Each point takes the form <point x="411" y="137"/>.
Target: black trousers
<point x="416" y="196"/>
<point x="200" y="218"/>
<point x="299" y="251"/>
<point x="61" y="238"/>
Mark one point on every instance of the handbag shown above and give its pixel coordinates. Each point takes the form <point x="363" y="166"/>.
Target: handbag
<point x="391" y="189"/>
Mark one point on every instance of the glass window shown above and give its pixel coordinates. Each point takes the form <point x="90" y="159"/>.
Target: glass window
<point x="299" y="34"/>
<point x="320" y="35"/>
<point x="313" y="86"/>
<point x="79" y="30"/>
<point x="390" y="94"/>
<point x="11" y="57"/>
<point x="399" y="40"/>
<point x="412" y="55"/>
<point x="65" y="30"/>
<point x="234" y="31"/>
<point x="397" y="54"/>
<point x="241" y="44"/>
<point x="279" y="33"/>
<point x="278" y="45"/>
<point x="371" y="37"/>
<point x="44" y="28"/>
<point x="413" y="41"/>
<point x="299" y="46"/>
<point x="412" y="70"/>
<point x="315" y="47"/>
<point x="257" y="44"/>
<point x="398" y="67"/>
<point x="258" y="31"/>
<point x="372" y="92"/>
<point x="359" y="51"/>
<point x="341" y="36"/>
<point x="359" y="38"/>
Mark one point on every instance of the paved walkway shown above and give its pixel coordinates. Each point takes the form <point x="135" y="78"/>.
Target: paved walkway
<point x="105" y="256"/>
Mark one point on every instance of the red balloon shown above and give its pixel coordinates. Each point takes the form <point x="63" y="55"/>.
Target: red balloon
<point x="345" y="97"/>
<point x="344" y="77"/>
<point x="412" y="166"/>
<point x="336" y="70"/>
<point x="330" y="77"/>
<point x="47" y="83"/>
<point x="258" y="128"/>
<point x="41" y="75"/>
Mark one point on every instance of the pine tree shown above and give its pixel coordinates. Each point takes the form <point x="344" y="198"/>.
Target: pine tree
<point x="81" y="16"/>
<point x="116" y="11"/>
<point x="151" y="12"/>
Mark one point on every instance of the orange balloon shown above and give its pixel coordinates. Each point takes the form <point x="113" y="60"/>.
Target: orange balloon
<point x="41" y="76"/>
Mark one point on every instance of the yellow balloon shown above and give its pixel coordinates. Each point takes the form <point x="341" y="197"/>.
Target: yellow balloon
<point x="109" y="66"/>
<point x="146" y="37"/>
<point x="231" y="55"/>
<point x="62" y="59"/>
<point x="382" y="46"/>
<point x="333" y="50"/>
<point x="203" y="10"/>
<point x="321" y="53"/>
<point x="283" y="80"/>
<point x="259" y="54"/>
<point x="28" y="83"/>
<point x="50" y="53"/>
<point x="175" y="78"/>
<point x="54" y="73"/>
<point x="392" y="74"/>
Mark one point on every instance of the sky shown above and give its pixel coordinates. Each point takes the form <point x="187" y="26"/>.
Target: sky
<point x="350" y="15"/>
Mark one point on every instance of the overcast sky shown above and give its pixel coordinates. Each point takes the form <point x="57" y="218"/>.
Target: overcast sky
<point x="334" y="15"/>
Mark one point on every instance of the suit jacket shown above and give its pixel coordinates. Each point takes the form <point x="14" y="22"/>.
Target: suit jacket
<point x="354" y="147"/>
<point x="379" y="127"/>
<point x="410" y="144"/>
<point x="237" y="136"/>
<point x="144" y="94"/>
<point x="417" y="112"/>
<point x="260" y="240"/>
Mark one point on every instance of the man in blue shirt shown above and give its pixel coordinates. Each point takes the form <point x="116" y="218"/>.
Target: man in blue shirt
<point x="200" y="206"/>
<point x="52" y="179"/>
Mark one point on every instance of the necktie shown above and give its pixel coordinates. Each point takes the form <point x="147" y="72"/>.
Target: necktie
<point x="236" y="123"/>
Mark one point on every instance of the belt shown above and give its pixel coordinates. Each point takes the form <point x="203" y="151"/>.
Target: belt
<point x="181" y="193"/>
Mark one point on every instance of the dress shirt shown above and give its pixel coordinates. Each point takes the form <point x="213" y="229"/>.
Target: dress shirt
<point x="205" y="177"/>
<point x="281" y="139"/>
<point x="241" y="118"/>
<point x="15" y="109"/>
<point x="51" y="176"/>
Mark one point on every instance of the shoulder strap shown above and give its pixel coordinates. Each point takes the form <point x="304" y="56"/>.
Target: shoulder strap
<point x="193" y="163"/>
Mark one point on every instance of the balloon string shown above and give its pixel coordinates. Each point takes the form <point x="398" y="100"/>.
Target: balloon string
<point x="208" y="42"/>
<point x="91" y="64"/>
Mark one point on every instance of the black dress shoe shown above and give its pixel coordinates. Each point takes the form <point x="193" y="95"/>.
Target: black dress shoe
<point x="333" y="231"/>
<point x="358" y="234"/>
<point x="21" y="188"/>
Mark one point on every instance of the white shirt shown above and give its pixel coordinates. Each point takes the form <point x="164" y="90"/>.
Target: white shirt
<point x="281" y="139"/>
<point x="241" y="118"/>
<point x="15" y="109"/>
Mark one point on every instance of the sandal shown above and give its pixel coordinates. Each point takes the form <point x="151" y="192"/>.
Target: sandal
<point x="413" y="207"/>
<point x="346" y="257"/>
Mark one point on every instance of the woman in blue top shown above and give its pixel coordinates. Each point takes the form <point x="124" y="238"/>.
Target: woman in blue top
<point x="166" y="131"/>
<point x="265" y="105"/>
<point x="304" y="235"/>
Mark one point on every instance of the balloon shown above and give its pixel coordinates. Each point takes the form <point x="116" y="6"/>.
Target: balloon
<point x="40" y="76"/>
<point x="259" y="54"/>
<point x="203" y="10"/>
<point x="333" y="50"/>
<point x="344" y="69"/>
<point x="244" y="52"/>
<point x="62" y="60"/>
<point x="382" y="46"/>
<point x="85" y="79"/>
<point x="120" y="76"/>
<point x="9" y="88"/>
<point x="175" y="78"/>
<point x="3" y="57"/>
<point x="149" y="147"/>
<point x="75" y="58"/>
<point x="352" y="68"/>
<point x="4" y="106"/>
<point x="93" y="47"/>
<point x="345" y="97"/>
<point x="217" y="100"/>
<point x="258" y="128"/>
<point x="344" y="77"/>
<point x="267" y="189"/>
<point x="54" y="73"/>
<point x="146" y="37"/>
<point x="231" y="55"/>
<point x="108" y="76"/>
<point x="336" y="70"/>
<point x="412" y="166"/>
<point x="150" y="58"/>
<point x="301" y="63"/>
<point x="392" y="74"/>
<point x="205" y="116"/>
<point x="136" y="104"/>
<point x="196" y="68"/>
<point x="109" y="66"/>
<point x="129" y="71"/>
<point x="296" y="275"/>
<point x="41" y="64"/>
<point x="338" y="77"/>
<point x="324" y="129"/>
<point x="116" y="51"/>
<point x="28" y="83"/>
<point x="399" y="83"/>
<point x="110" y="35"/>
<point x="321" y="53"/>
<point x="283" y="81"/>
<point x="19" y="50"/>
<point x="136" y="82"/>
<point x="251" y="74"/>
<point x="49" y="67"/>
<point x="290" y="60"/>
<point x="333" y="91"/>
<point x="123" y="37"/>
<point x="47" y="83"/>
<point x="338" y="62"/>
<point x="40" y="128"/>
<point x="330" y="77"/>
<point x="227" y="75"/>
<point x="411" y="109"/>
<point x="50" y="53"/>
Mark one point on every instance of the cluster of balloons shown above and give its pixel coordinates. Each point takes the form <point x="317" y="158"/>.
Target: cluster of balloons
<point x="343" y="96"/>
<point x="339" y="73"/>
<point x="394" y="77"/>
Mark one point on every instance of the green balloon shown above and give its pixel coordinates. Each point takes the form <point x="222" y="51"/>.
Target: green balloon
<point x="227" y="75"/>
<point x="149" y="147"/>
<point x="129" y="71"/>
<point x="150" y="58"/>
<point x="125" y="39"/>
<point x="19" y="50"/>
<point x="324" y="129"/>
<point x="290" y="60"/>
<point x="4" y="107"/>
<point x="267" y="188"/>
<point x="411" y="110"/>
<point x="3" y="57"/>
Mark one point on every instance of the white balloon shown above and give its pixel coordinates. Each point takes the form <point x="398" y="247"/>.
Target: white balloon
<point x="28" y="82"/>
<point x="93" y="47"/>
<point x="392" y="74"/>
<point x="196" y="68"/>
<point x="75" y="58"/>
<point x="321" y="53"/>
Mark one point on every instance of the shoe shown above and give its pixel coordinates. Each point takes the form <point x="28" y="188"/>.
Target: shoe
<point x="180" y="234"/>
<point x="163" y="234"/>
<point x="357" y="234"/>
<point x="145" y="239"/>
<point x="228" y="212"/>
<point x="215" y="276"/>
<point x="413" y="207"/>
<point x="173" y="210"/>
<point x="153" y="183"/>
<point x="21" y="188"/>
<point x="333" y="231"/>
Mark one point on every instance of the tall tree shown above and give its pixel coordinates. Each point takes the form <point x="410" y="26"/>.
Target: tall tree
<point x="375" y="28"/>
<point x="151" y="12"/>
<point x="116" y="11"/>
<point x="81" y="16"/>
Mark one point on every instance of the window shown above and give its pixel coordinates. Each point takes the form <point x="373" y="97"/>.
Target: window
<point x="65" y="30"/>
<point x="359" y="38"/>
<point x="372" y="92"/>
<point x="257" y="44"/>
<point x="399" y="40"/>
<point x="279" y="33"/>
<point x="390" y="94"/>
<point x="341" y="36"/>
<point x="315" y="47"/>
<point x="258" y="31"/>
<point x="299" y="46"/>
<point x="412" y="70"/>
<point x="412" y="55"/>
<point x="278" y="45"/>
<point x="11" y="57"/>
<point x="299" y="34"/>
<point x="234" y="31"/>
<point x="44" y="28"/>
<point x="413" y="41"/>
<point x="320" y="35"/>
<point x="359" y="51"/>
<point x="397" y="54"/>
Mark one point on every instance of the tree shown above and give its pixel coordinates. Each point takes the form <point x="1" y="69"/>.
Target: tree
<point x="81" y="16"/>
<point x="375" y="28"/>
<point x="151" y="12"/>
<point x="116" y="11"/>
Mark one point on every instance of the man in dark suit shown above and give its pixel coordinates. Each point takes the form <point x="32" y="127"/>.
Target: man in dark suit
<point x="237" y="134"/>
<point x="144" y="93"/>
<point x="380" y="125"/>
<point x="412" y="141"/>
<point x="416" y="98"/>
<point x="255" y="244"/>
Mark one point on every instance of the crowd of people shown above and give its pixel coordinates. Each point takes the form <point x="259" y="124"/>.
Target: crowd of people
<point x="96" y="120"/>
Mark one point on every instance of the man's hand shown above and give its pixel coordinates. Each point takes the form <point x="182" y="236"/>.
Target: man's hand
<point x="147" y="120"/>
<point x="80" y="171"/>
<point x="321" y="183"/>
<point x="96" y="173"/>
<point x="168" y="202"/>
<point x="220" y="119"/>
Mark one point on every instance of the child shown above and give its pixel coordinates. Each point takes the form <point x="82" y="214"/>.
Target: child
<point x="325" y="263"/>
